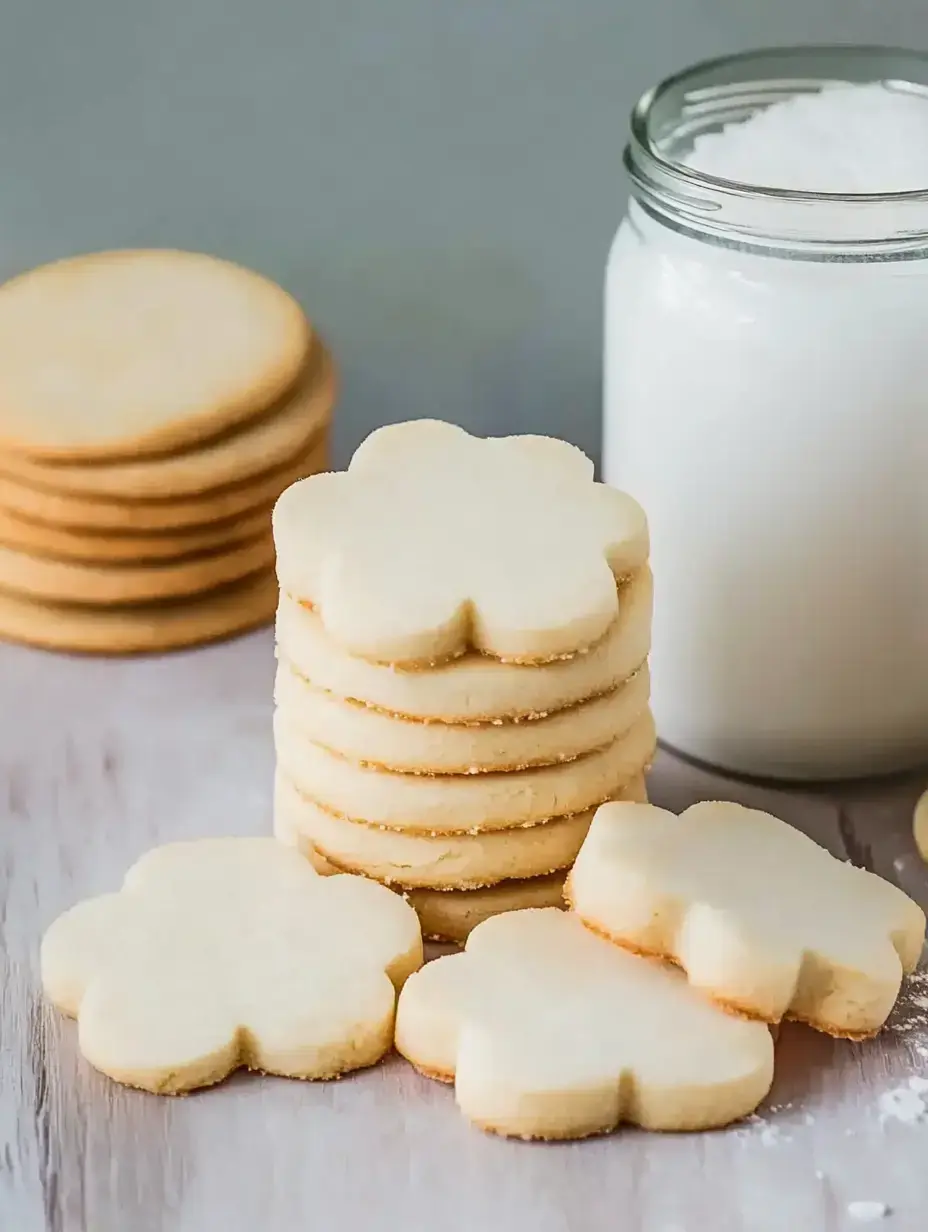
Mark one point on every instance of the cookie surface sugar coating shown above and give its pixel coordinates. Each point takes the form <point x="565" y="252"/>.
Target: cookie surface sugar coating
<point x="222" y="953"/>
<point x="761" y="918"/>
<point x="434" y="541"/>
<point x="549" y="1031"/>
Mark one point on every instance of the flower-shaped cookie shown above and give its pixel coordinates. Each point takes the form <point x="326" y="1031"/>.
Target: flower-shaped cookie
<point x="548" y="1031"/>
<point x="231" y="952"/>
<point x="434" y="540"/>
<point x="759" y="916"/>
<point x="920" y="825"/>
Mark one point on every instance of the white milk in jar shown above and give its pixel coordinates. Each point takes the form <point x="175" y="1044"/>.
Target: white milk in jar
<point x="766" y="399"/>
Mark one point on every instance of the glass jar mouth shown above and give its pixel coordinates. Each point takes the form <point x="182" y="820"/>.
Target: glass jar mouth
<point x="713" y="93"/>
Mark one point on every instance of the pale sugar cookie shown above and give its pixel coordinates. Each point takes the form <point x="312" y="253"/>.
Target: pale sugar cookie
<point x="762" y="919"/>
<point x="143" y="628"/>
<point x="920" y="825"/>
<point x="361" y="733"/>
<point x="69" y="581"/>
<point x="434" y="541"/>
<point x="252" y="449"/>
<point x="442" y="862"/>
<point x="59" y="509"/>
<point x="474" y="687"/>
<point x="451" y="915"/>
<point x="99" y="547"/>
<point x="459" y="803"/>
<point x="222" y="953"/>
<point x="118" y="354"/>
<point x="548" y="1031"/>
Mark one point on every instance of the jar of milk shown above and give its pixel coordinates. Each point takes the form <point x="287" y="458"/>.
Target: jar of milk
<point x="766" y="399"/>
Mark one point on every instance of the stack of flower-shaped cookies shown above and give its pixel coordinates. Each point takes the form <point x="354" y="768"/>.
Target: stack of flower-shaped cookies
<point x="153" y="406"/>
<point x="462" y="636"/>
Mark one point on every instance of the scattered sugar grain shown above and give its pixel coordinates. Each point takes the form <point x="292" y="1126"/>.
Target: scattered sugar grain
<point x="903" y="1104"/>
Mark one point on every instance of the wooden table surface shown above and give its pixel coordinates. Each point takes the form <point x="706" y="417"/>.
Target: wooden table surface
<point x="102" y="759"/>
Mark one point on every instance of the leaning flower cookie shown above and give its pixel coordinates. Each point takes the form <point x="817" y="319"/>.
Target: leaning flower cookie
<point x="548" y="1031"/>
<point x="506" y="545"/>
<point x="225" y="953"/>
<point x="920" y="825"/>
<point x="761" y="918"/>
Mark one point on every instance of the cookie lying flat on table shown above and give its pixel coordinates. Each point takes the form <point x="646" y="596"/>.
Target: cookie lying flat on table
<point x="223" y="953"/>
<point x="761" y="918"/>
<point x="452" y="915"/>
<point x="450" y="861"/>
<point x="363" y="734"/>
<point x="474" y="688"/>
<point x="548" y="1031"/>
<point x="447" y="804"/>
<point x="505" y="545"/>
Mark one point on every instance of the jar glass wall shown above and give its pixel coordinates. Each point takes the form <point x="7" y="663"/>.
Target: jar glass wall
<point x="766" y="399"/>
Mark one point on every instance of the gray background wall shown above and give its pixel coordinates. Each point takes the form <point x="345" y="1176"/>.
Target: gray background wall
<point x="437" y="180"/>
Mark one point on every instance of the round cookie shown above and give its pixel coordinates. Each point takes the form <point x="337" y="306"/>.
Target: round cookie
<point x="148" y="629"/>
<point x="450" y="804"/>
<point x="450" y="861"/>
<point x="451" y="915"/>
<point x="474" y="687"/>
<point x="253" y="449"/>
<point x="363" y="734"/>
<point x="80" y="512"/>
<point x="68" y="581"/>
<point x="98" y="548"/>
<point x="117" y="354"/>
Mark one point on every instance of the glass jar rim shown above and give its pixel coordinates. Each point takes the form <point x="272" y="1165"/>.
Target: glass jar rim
<point x="731" y="87"/>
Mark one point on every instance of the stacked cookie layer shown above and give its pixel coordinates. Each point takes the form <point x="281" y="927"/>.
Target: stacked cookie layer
<point x="153" y="405"/>
<point x="433" y="729"/>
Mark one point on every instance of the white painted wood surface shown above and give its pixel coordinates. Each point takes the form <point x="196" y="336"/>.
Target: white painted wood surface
<point x="102" y="759"/>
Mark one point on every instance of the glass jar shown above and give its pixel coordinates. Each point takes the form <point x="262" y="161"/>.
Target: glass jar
<point x="766" y="400"/>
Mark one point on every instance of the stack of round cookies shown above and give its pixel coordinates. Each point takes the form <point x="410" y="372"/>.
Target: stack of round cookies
<point x="153" y="405"/>
<point x="462" y="679"/>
